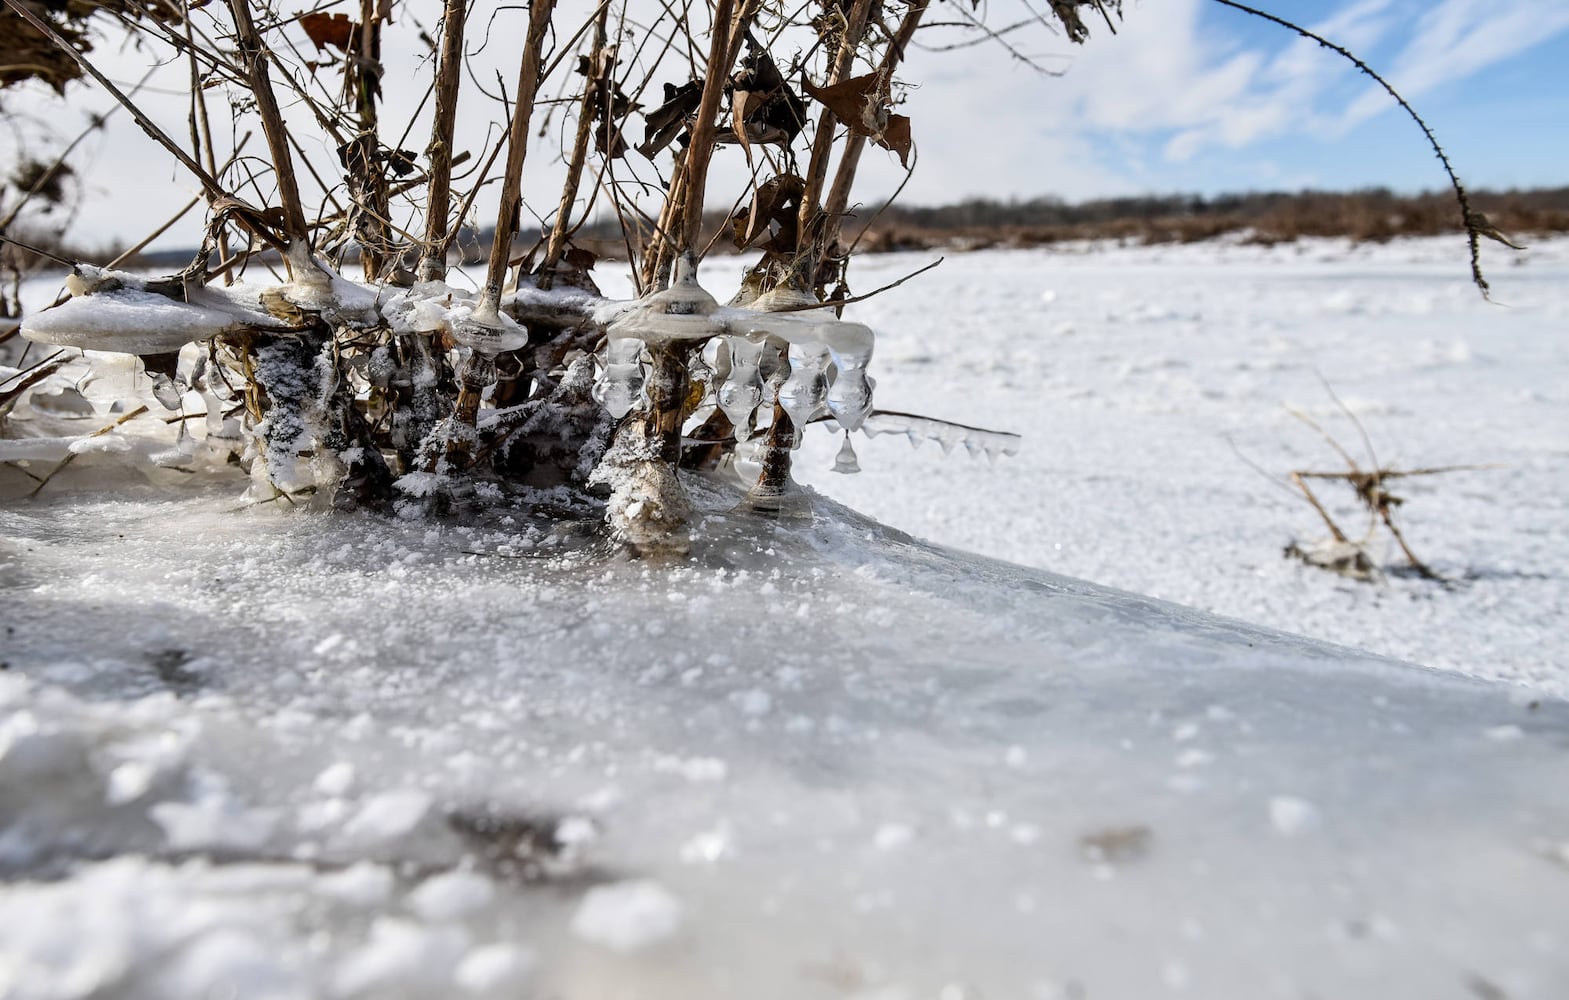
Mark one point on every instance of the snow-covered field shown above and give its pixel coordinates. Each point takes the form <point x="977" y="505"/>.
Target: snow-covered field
<point x="267" y="753"/>
<point x="1145" y="380"/>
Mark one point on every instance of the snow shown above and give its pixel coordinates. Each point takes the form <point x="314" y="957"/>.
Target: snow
<point x="1144" y="380"/>
<point x="293" y="754"/>
<point x="628" y="916"/>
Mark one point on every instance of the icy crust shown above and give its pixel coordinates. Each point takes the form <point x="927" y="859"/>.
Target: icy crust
<point x="818" y="759"/>
<point x="107" y="417"/>
<point x="128" y="320"/>
<point x="114" y="311"/>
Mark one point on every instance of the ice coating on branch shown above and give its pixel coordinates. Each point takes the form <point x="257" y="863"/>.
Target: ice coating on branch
<point x="116" y="311"/>
<point x="683" y="311"/>
<point x="850" y="397"/>
<point x="483" y="331"/>
<point x="320" y="290"/>
<point x="620" y="387"/>
<point x="918" y="429"/>
<point x="127" y="320"/>
<point x="742" y="390"/>
<point x="432" y="306"/>
<point x="806" y="390"/>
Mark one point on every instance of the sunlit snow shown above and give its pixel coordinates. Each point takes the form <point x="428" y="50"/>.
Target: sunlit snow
<point x="275" y="752"/>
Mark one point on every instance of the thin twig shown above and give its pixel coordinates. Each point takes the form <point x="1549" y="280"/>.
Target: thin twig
<point x="1474" y="222"/>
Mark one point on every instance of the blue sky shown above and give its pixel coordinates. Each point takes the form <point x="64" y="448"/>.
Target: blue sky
<point x="1193" y="96"/>
<point x="1189" y="96"/>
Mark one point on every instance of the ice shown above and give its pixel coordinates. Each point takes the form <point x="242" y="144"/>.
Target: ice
<point x="681" y="312"/>
<point x="628" y="916"/>
<point x="129" y="320"/>
<point x="918" y="429"/>
<point x="388" y="815"/>
<point x="948" y="771"/>
<point x="620" y="387"/>
<point x="971" y="778"/>
<point x="845" y="461"/>
<point x="492" y="967"/>
<point x="742" y="390"/>
<point x="1291" y="816"/>
<point x="805" y="391"/>
<point x="850" y="397"/>
<point x="451" y="895"/>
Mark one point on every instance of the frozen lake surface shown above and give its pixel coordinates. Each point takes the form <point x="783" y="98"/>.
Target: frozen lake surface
<point x="289" y="754"/>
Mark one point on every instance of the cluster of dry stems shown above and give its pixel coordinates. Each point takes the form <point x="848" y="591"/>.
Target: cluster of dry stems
<point x="504" y="391"/>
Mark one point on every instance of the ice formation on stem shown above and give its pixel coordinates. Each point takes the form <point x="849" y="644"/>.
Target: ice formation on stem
<point x="350" y="386"/>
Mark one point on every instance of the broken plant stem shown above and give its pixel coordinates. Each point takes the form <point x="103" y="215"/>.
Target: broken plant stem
<point x="1334" y="529"/>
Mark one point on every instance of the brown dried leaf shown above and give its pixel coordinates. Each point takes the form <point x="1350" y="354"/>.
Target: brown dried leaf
<point x="323" y="30"/>
<point x="742" y="104"/>
<point x="583" y="260"/>
<point x="776" y="200"/>
<point x="854" y="102"/>
<point x="896" y="137"/>
<point x="665" y="122"/>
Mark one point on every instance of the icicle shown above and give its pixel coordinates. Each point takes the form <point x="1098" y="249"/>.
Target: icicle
<point x="845" y="461"/>
<point x="805" y="391"/>
<point x="748" y="460"/>
<point x="742" y="390"/>
<point x="949" y="435"/>
<point x="621" y="386"/>
<point x="919" y="429"/>
<point x="850" y="397"/>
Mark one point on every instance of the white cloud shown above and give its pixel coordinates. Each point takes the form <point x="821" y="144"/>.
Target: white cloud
<point x="1457" y="39"/>
<point x="1175" y="85"/>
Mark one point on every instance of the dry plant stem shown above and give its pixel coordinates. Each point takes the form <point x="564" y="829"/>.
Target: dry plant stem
<point x="727" y="31"/>
<point x="507" y="215"/>
<point x="667" y="391"/>
<point x="208" y="182"/>
<point x="681" y="222"/>
<point x="98" y="433"/>
<point x="775" y="477"/>
<point x="1472" y="220"/>
<point x="823" y="138"/>
<point x="449" y="74"/>
<point x="367" y="177"/>
<point x="1334" y="529"/>
<point x="295" y="230"/>
<point x="1421" y="567"/>
<point x="556" y="245"/>
<point x="850" y="160"/>
<point x="201" y="138"/>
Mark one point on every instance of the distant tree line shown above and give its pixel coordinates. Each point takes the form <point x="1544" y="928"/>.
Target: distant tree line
<point x="1268" y="217"/>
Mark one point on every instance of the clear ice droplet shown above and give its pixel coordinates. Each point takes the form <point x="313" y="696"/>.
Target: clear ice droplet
<point x="846" y="461"/>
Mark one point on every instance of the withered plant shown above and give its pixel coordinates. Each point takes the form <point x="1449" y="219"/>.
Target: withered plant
<point x="410" y="387"/>
<point x="1341" y="552"/>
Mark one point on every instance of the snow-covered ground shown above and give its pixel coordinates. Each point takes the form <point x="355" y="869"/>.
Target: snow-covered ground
<point x="270" y="753"/>
<point x="1145" y="380"/>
